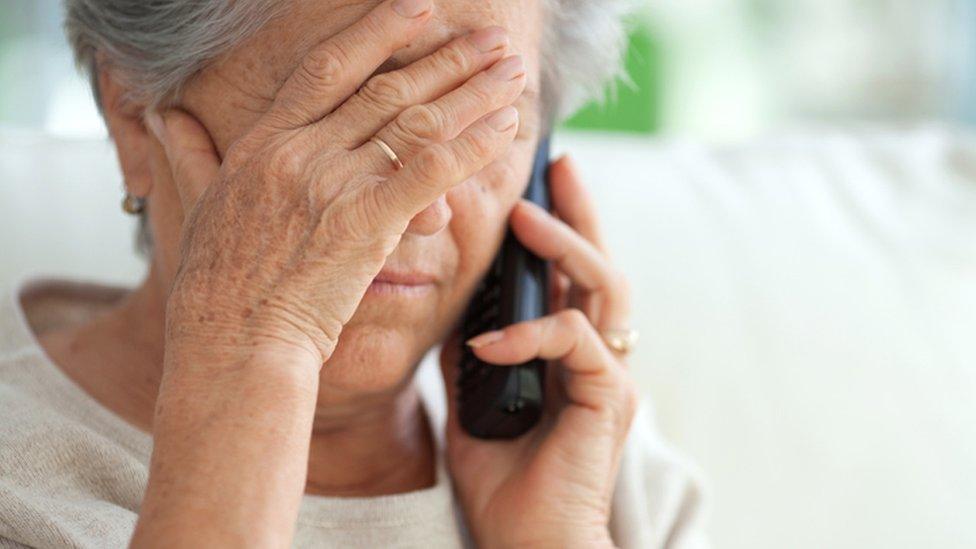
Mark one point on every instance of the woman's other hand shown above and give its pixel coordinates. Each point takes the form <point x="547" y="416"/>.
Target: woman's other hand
<point x="553" y="486"/>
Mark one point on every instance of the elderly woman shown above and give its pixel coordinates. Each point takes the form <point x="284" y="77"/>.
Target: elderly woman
<point x="325" y="183"/>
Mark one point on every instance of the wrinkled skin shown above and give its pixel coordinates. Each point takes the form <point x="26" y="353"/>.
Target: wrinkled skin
<point x="268" y="233"/>
<point x="454" y="239"/>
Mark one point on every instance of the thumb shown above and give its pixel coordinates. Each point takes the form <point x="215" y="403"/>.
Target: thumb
<point x="192" y="157"/>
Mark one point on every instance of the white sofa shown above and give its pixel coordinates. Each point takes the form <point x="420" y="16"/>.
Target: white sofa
<point x="807" y="304"/>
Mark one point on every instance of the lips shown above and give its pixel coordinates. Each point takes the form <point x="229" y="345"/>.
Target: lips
<point x="401" y="284"/>
<point x="404" y="278"/>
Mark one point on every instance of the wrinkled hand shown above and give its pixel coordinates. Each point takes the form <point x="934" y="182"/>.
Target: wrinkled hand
<point x="553" y="486"/>
<point x="283" y="238"/>
<point x="280" y="242"/>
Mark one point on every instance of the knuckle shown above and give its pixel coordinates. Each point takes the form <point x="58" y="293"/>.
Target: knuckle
<point x="482" y="92"/>
<point x="285" y="162"/>
<point x="389" y="88"/>
<point x="478" y="145"/>
<point x="344" y="228"/>
<point x="574" y="319"/>
<point x="374" y="25"/>
<point x="435" y="163"/>
<point x="425" y="123"/>
<point x="345" y="221"/>
<point x="378" y="210"/>
<point x="375" y="214"/>
<point x="359" y="220"/>
<point x="243" y="150"/>
<point x="455" y="60"/>
<point x="323" y="66"/>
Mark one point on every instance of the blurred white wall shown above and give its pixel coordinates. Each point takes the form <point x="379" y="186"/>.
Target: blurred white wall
<point x="39" y="87"/>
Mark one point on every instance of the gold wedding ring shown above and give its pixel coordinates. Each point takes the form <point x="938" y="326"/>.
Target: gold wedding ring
<point x="397" y="164"/>
<point x="622" y="340"/>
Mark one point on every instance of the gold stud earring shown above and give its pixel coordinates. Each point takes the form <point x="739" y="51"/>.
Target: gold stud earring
<point x="134" y="205"/>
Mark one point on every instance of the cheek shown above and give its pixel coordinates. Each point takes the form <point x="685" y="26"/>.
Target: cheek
<point x="480" y="210"/>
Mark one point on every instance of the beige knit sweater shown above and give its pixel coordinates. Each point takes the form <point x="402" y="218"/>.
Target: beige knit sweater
<point x="72" y="474"/>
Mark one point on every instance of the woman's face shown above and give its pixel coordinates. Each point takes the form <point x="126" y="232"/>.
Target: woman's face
<point x="452" y="243"/>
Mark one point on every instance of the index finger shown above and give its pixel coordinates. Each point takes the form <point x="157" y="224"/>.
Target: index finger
<point x="594" y="375"/>
<point x="572" y="203"/>
<point x="335" y="68"/>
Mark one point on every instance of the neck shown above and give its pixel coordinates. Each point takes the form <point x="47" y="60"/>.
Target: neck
<point x="367" y="447"/>
<point x="371" y="448"/>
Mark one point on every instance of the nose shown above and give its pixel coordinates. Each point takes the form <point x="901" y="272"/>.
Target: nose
<point x="432" y="219"/>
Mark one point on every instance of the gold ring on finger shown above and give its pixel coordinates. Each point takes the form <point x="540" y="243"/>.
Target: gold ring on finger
<point x="397" y="163"/>
<point x="621" y="340"/>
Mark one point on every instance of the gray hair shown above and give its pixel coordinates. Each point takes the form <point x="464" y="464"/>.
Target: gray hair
<point x="156" y="47"/>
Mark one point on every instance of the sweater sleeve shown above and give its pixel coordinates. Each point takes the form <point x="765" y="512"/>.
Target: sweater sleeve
<point x="659" y="500"/>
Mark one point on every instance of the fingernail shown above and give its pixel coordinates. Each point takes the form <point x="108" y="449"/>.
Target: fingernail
<point x="489" y="39"/>
<point x="504" y="119"/>
<point x="486" y="339"/>
<point x="155" y="124"/>
<point x="411" y="8"/>
<point x="508" y="68"/>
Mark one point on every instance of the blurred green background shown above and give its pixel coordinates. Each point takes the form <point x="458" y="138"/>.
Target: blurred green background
<point x="633" y="103"/>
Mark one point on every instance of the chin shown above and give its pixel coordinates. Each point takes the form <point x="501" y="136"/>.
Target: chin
<point x="372" y="360"/>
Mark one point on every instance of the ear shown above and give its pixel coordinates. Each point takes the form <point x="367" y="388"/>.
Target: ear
<point x="124" y="119"/>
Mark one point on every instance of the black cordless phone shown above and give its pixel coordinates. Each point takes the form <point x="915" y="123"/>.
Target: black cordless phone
<point x="503" y="402"/>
